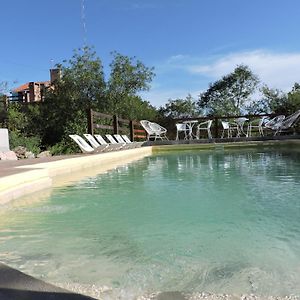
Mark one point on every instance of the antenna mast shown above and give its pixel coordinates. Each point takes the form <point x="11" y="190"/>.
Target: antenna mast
<point x="83" y="22"/>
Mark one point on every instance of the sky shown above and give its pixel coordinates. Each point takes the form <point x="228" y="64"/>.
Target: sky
<point x="190" y="43"/>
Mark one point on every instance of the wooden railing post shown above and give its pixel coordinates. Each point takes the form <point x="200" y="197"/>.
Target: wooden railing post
<point x="131" y="129"/>
<point x="90" y="121"/>
<point x="115" y="124"/>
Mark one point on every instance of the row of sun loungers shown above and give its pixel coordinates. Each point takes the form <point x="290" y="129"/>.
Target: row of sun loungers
<point x="96" y="143"/>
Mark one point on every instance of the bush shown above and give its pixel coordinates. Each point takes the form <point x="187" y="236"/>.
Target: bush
<point x="30" y="143"/>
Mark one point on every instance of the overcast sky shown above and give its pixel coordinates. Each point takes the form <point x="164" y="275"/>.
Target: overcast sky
<point x="190" y="43"/>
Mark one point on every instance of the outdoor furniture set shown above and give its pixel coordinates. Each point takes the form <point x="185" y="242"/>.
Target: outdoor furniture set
<point x="96" y="143"/>
<point x="240" y="127"/>
<point x="188" y="130"/>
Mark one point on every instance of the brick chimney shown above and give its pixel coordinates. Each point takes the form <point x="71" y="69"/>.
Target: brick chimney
<point x="55" y="74"/>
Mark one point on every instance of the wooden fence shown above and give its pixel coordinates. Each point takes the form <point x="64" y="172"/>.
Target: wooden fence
<point x="104" y="123"/>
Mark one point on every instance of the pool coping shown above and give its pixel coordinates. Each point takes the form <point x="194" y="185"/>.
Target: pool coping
<point x="25" y="179"/>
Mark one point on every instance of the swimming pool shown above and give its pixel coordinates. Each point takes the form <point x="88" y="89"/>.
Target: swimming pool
<point x="221" y="222"/>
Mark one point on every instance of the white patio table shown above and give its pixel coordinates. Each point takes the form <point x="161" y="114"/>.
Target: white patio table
<point x="191" y="124"/>
<point x="240" y="126"/>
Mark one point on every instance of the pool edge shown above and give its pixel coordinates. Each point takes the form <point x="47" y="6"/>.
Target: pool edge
<point x="37" y="177"/>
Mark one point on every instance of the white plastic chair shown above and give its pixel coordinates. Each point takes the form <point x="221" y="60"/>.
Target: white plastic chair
<point x="226" y="126"/>
<point x="289" y="122"/>
<point x="240" y="122"/>
<point x="154" y="130"/>
<point x="281" y="123"/>
<point x="204" y="126"/>
<point x="274" y="123"/>
<point x="182" y="127"/>
<point x="257" y="124"/>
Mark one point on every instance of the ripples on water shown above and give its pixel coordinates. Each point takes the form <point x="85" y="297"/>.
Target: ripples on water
<point x="217" y="222"/>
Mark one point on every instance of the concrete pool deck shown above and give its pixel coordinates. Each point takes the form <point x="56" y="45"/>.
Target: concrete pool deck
<point x="23" y="177"/>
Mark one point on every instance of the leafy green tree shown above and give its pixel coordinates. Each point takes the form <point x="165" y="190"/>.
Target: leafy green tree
<point x="134" y="108"/>
<point x="230" y="94"/>
<point x="80" y="87"/>
<point x="276" y="101"/>
<point x="272" y="101"/>
<point x="180" y="108"/>
<point x="293" y="99"/>
<point x="3" y="112"/>
<point x="128" y="77"/>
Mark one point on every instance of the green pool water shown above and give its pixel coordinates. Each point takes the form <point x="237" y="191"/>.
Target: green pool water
<point x="221" y="222"/>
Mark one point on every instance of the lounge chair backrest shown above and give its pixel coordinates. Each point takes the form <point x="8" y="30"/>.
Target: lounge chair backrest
<point x="157" y="128"/>
<point x="209" y="123"/>
<point x="182" y="127"/>
<point x="289" y="121"/>
<point x="275" y="122"/>
<point x="92" y="140"/>
<point x="100" y="139"/>
<point x="126" y="138"/>
<point x="111" y="139"/>
<point x="119" y="139"/>
<point x="225" y="125"/>
<point x="84" y="146"/>
<point x="146" y="126"/>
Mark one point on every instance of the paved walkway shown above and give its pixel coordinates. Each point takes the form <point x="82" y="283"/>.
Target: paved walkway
<point x="10" y="167"/>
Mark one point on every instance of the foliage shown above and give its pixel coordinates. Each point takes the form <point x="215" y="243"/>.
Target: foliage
<point x="3" y="115"/>
<point x="230" y="94"/>
<point x="128" y="77"/>
<point x="17" y="120"/>
<point x="80" y="87"/>
<point x="278" y="102"/>
<point x="31" y="143"/>
<point x="21" y="127"/>
<point x="134" y="108"/>
<point x="180" y="108"/>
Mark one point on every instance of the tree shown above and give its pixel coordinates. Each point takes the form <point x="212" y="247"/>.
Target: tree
<point x="128" y="77"/>
<point x="3" y="99"/>
<point x="80" y="87"/>
<point x="230" y="94"/>
<point x="276" y="101"/>
<point x="135" y="108"/>
<point x="180" y="108"/>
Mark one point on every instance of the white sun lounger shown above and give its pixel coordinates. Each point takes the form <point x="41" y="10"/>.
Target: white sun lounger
<point x="102" y="141"/>
<point x="83" y="145"/>
<point x="128" y="141"/>
<point x="94" y="143"/>
<point x="120" y="140"/>
<point x="111" y="139"/>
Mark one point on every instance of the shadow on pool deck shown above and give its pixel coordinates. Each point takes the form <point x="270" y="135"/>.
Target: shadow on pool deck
<point x="15" y="285"/>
